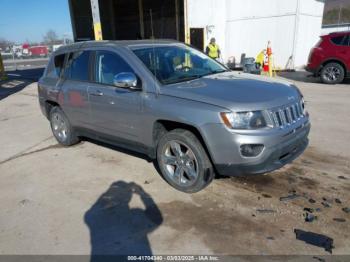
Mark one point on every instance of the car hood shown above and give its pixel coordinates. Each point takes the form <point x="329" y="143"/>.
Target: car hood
<point x="236" y="91"/>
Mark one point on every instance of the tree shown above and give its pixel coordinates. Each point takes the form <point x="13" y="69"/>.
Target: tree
<point x="5" y="43"/>
<point x="50" y="37"/>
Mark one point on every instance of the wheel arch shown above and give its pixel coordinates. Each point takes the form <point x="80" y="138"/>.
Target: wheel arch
<point x="49" y="104"/>
<point x="333" y="60"/>
<point x="160" y="127"/>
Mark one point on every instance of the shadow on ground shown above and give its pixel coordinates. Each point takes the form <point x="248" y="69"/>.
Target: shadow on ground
<point x="18" y="80"/>
<point x="303" y="76"/>
<point x="118" y="229"/>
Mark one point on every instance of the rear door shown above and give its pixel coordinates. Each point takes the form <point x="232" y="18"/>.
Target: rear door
<point x="49" y="85"/>
<point x="75" y="88"/>
<point x="115" y="111"/>
<point x="52" y="79"/>
<point x="342" y="47"/>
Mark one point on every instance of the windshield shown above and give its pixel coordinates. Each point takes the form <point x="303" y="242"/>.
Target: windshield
<point x="177" y="63"/>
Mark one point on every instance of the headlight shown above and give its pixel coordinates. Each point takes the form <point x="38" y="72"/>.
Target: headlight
<point x="245" y="120"/>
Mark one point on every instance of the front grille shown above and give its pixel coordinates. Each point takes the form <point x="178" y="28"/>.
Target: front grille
<point x="287" y="115"/>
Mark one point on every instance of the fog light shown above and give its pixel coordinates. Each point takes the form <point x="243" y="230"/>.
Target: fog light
<point x="251" y="150"/>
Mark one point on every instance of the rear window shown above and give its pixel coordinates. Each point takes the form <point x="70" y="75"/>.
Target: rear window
<point x="77" y="67"/>
<point x="55" y="67"/>
<point x="340" y="40"/>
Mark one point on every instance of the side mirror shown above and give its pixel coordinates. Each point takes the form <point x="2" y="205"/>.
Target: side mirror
<point x="126" y="80"/>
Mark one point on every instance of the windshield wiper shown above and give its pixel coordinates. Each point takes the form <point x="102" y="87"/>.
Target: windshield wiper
<point x="182" y="79"/>
<point x="213" y="72"/>
<point x="192" y="77"/>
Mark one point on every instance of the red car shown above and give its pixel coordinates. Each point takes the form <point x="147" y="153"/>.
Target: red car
<point x="38" y="51"/>
<point x="330" y="58"/>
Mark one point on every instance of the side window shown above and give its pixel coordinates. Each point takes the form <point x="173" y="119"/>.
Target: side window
<point x="55" y="66"/>
<point x="77" y="67"/>
<point x="347" y="40"/>
<point x="108" y="65"/>
<point x="339" y="40"/>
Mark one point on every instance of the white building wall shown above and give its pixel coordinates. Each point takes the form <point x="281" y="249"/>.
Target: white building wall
<point x="210" y="15"/>
<point x="309" y="25"/>
<point x="293" y="26"/>
<point x="327" y="30"/>
<point x="251" y="24"/>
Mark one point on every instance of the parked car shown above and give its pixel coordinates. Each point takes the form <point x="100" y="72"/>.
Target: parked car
<point x="176" y="105"/>
<point x="38" y="51"/>
<point x="330" y="58"/>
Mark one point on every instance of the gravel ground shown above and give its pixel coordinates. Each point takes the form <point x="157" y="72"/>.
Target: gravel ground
<point x="96" y="199"/>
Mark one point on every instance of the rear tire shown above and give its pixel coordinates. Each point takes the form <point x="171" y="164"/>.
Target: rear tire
<point x="61" y="128"/>
<point x="183" y="161"/>
<point x="332" y="73"/>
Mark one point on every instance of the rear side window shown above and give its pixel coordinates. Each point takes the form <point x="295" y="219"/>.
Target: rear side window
<point x="340" y="40"/>
<point x="108" y="65"/>
<point x="77" y="67"/>
<point x="56" y="66"/>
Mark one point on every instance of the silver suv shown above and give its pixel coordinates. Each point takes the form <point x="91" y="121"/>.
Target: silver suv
<point x="176" y="105"/>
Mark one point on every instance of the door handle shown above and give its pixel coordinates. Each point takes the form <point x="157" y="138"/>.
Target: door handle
<point x="97" y="93"/>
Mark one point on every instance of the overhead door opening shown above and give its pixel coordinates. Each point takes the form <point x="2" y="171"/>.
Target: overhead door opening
<point x="81" y="17"/>
<point x="131" y="19"/>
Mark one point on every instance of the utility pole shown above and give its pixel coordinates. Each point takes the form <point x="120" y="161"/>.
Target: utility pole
<point x="96" y="20"/>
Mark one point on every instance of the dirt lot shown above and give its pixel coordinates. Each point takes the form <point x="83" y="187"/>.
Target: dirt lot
<point x="91" y="198"/>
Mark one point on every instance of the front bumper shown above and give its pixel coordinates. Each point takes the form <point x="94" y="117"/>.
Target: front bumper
<point x="281" y="155"/>
<point x="280" y="149"/>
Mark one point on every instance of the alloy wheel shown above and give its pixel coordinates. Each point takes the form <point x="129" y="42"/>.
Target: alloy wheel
<point x="332" y="73"/>
<point x="59" y="127"/>
<point x="180" y="163"/>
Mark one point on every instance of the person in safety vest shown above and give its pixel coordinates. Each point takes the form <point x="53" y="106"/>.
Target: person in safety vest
<point x="213" y="50"/>
<point x="260" y="58"/>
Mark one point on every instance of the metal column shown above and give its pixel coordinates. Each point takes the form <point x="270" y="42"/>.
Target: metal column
<point x="177" y="20"/>
<point x="96" y="19"/>
<point x="112" y="18"/>
<point x="142" y="24"/>
<point x="187" y="29"/>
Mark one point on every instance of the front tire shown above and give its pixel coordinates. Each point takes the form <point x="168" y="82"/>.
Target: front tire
<point x="61" y="128"/>
<point x="332" y="73"/>
<point x="183" y="161"/>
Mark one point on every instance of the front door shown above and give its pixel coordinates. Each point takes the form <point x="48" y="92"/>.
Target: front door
<point x="114" y="111"/>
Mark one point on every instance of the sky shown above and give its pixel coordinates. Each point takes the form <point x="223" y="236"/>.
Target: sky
<point x="23" y="20"/>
